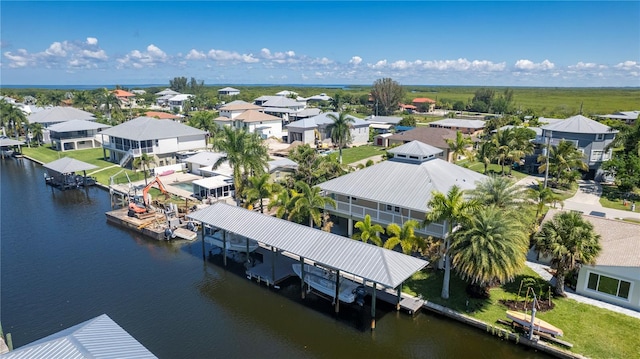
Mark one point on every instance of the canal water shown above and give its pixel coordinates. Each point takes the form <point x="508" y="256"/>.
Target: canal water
<point x="62" y="263"/>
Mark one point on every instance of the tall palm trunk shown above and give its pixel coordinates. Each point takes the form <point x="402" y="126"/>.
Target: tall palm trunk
<point x="447" y="269"/>
<point x="560" y="283"/>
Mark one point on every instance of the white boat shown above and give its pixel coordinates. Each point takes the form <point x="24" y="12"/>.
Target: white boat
<point x="234" y="242"/>
<point x="324" y="281"/>
<point x="538" y="324"/>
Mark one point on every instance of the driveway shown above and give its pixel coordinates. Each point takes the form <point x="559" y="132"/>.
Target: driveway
<point x="587" y="201"/>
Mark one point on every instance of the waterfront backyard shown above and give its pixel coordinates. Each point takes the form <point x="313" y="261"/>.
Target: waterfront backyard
<point x="608" y="339"/>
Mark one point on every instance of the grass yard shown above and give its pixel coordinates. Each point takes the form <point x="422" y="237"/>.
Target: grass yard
<point x="613" y="198"/>
<point x="93" y="156"/>
<point x="612" y="337"/>
<point x="353" y="154"/>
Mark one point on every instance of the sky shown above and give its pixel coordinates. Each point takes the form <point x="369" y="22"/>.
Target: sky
<point x="480" y="43"/>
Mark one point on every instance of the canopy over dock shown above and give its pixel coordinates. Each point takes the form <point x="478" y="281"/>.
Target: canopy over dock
<point x="62" y="172"/>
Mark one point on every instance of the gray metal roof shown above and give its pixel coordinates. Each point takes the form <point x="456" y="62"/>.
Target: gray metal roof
<point x="147" y="128"/>
<point x="323" y="119"/>
<point x="364" y="260"/>
<point x="416" y="148"/>
<point x="60" y="114"/>
<point x="99" y="337"/>
<point x="394" y="120"/>
<point x="68" y="165"/>
<point x="459" y="122"/>
<point x="578" y="124"/>
<point x="4" y="142"/>
<point x="400" y="183"/>
<point x="77" y="125"/>
<point x="228" y="89"/>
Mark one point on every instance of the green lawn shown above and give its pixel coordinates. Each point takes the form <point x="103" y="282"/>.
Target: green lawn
<point x="93" y="156"/>
<point x="353" y="154"/>
<point x="612" y="198"/>
<point x="594" y="332"/>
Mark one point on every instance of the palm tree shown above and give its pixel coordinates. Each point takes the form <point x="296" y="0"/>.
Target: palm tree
<point x="308" y="202"/>
<point x="453" y="209"/>
<point x="503" y="145"/>
<point x="404" y="236"/>
<point x="341" y="130"/>
<point x="259" y="187"/>
<point x="499" y="191"/>
<point x="564" y="157"/>
<point x="282" y="200"/>
<point x="541" y="195"/>
<point x="485" y="154"/>
<point x="570" y="240"/>
<point x="83" y="99"/>
<point x="13" y="118"/>
<point x="460" y="146"/>
<point x="37" y="131"/>
<point x="108" y="102"/>
<point x="202" y="120"/>
<point x="489" y="248"/>
<point x="369" y="232"/>
<point x="520" y="144"/>
<point x="242" y="152"/>
<point x="143" y="162"/>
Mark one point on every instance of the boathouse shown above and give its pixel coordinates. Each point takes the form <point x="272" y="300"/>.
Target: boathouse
<point x="373" y="266"/>
<point x="62" y="173"/>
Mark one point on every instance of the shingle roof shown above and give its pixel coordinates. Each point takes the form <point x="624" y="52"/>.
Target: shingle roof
<point x="239" y="105"/>
<point x="403" y="184"/>
<point x="433" y="136"/>
<point x="383" y="266"/>
<point x="256" y="116"/>
<point x="99" y="337"/>
<point x="123" y="93"/>
<point x="68" y="165"/>
<point x="578" y="124"/>
<point x="77" y="125"/>
<point x="619" y="240"/>
<point x="147" y="128"/>
<point x="60" y="114"/>
<point x="161" y="115"/>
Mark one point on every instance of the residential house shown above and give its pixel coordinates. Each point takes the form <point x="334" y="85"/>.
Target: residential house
<point x="280" y="106"/>
<point x="408" y="108"/>
<point x="628" y="117"/>
<point x="163" y="115"/>
<point x="467" y="127"/>
<point x="76" y="135"/>
<point x="163" y="97"/>
<point x="588" y="136"/>
<point x="160" y="139"/>
<point x="318" y="128"/>
<point x="319" y="98"/>
<point x="58" y="114"/>
<point x="281" y="168"/>
<point x="228" y="91"/>
<point x="126" y="98"/>
<point x="383" y="124"/>
<point x="615" y="275"/>
<point x="179" y="101"/>
<point x="287" y="93"/>
<point x="234" y="108"/>
<point x="398" y="189"/>
<point x="432" y="136"/>
<point x="424" y="104"/>
<point x="262" y="123"/>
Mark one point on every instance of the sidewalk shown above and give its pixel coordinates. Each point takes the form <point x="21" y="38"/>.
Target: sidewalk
<point x="587" y="201"/>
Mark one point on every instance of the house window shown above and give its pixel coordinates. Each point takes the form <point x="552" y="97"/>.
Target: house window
<point x="596" y="155"/>
<point x="600" y="137"/>
<point x="608" y="285"/>
<point x="391" y="208"/>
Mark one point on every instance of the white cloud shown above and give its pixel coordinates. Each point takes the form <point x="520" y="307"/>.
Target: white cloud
<point x="20" y="59"/>
<point x="71" y="54"/>
<point x="583" y="66"/>
<point x="528" y="65"/>
<point x="231" y="56"/>
<point x="195" y="55"/>
<point x="56" y="49"/>
<point x="628" y="65"/>
<point x="92" y="41"/>
<point x="355" y="60"/>
<point x="138" y="59"/>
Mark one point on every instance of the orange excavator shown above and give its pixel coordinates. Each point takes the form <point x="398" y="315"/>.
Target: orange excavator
<point x="135" y="208"/>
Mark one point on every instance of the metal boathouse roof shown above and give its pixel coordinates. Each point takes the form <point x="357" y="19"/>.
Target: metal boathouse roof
<point x="370" y="262"/>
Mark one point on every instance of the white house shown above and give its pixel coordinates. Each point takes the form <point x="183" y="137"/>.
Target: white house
<point x="398" y="189"/>
<point x="179" y="101"/>
<point x="234" y="108"/>
<point x="318" y="128"/>
<point x="255" y="121"/>
<point x="615" y="276"/>
<point x="58" y="114"/>
<point x="76" y="135"/>
<point x="161" y="139"/>
<point x="228" y="91"/>
<point x="280" y="106"/>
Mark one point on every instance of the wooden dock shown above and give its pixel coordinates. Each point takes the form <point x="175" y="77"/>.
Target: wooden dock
<point x="152" y="226"/>
<point x="268" y="271"/>
<point x="409" y="304"/>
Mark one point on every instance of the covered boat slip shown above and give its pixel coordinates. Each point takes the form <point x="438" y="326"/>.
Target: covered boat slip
<point x="368" y="264"/>
<point x="61" y="173"/>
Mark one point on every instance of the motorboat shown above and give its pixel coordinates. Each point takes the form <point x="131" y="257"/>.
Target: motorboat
<point x="324" y="281"/>
<point x="538" y="324"/>
<point x="234" y="242"/>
